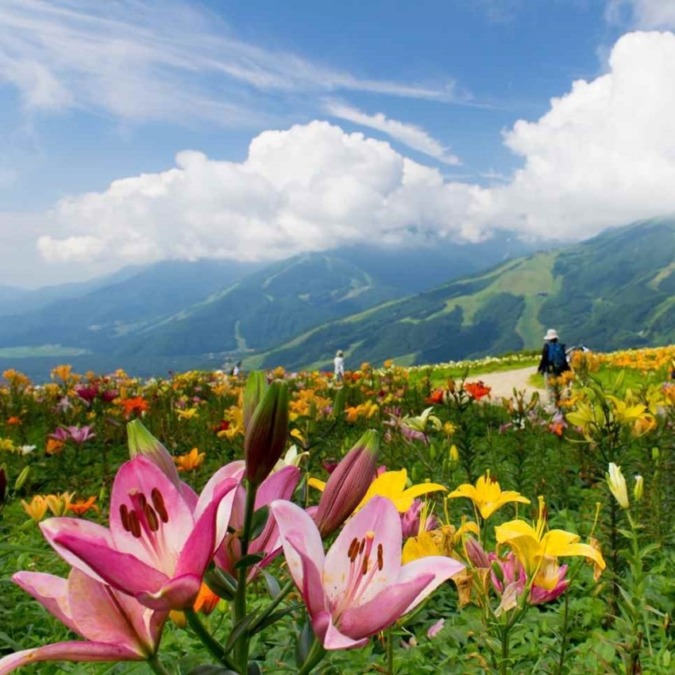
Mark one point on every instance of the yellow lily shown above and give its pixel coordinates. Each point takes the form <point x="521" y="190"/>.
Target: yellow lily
<point x="36" y="508"/>
<point x="392" y="485"/>
<point x="537" y="550"/>
<point x="487" y="496"/>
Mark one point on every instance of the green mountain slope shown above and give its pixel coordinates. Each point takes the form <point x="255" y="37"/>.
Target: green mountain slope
<point x="611" y="292"/>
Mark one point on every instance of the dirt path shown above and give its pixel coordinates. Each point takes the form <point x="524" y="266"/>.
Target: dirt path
<point x="503" y="383"/>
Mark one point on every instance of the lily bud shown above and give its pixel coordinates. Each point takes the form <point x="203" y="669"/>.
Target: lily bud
<point x="256" y="386"/>
<point x="21" y="479"/>
<point x="3" y="484"/>
<point x="454" y="454"/>
<point x="476" y="553"/>
<point x="267" y="433"/>
<point x="639" y="488"/>
<point x="348" y="484"/>
<point x="142" y="442"/>
<point x="617" y="485"/>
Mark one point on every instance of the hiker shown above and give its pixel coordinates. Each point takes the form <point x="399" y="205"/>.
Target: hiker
<point x="339" y="362"/>
<point x="553" y="358"/>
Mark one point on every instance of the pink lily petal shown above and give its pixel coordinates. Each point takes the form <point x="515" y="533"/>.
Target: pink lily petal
<point x="439" y="567"/>
<point x="208" y="532"/>
<point x="51" y="592"/>
<point x="141" y="485"/>
<point x="303" y="550"/>
<point x="379" y="517"/>
<point x="104" y="615"/>
<point x="96" y="534"/>
<point x="178" y="593"/>
<point x="334" y="639"/>
<point x="119" y="570"/>
<point x="381" y="611"/>
<point x="278" y="485"/>
<point x="68" y="651"/>
<point x="233" y="470"/>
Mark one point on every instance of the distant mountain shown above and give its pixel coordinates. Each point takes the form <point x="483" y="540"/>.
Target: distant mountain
<point x="95" y="320"/>
<point x="613" y="291"/>
<point x="23" y="300"/>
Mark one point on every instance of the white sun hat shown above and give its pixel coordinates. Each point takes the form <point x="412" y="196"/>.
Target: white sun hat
<point x="551" y="334"/>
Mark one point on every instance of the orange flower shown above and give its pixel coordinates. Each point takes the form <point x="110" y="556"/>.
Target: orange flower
<point x="557" y="428"/>
<point x="477" y="390"/>
<point x="206" y="600"/>
<point x="136" y="405"/>
<point x="54" y="446"/>
<point x="190" y="461"/>
<point x="80" y="507"/>
<point x="436" y="397"/>
<point x="13" y="421"/>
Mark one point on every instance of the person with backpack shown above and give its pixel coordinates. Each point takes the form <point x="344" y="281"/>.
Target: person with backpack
<point x="553" y="358"/>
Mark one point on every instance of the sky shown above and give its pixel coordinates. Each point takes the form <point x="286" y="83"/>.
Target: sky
<point x="136" y="131"/>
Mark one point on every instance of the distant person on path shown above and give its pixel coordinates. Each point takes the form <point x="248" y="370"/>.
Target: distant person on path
<point x="553" y="358"/>
<point x="339" y="362"/>
<point x="552" y="364"/>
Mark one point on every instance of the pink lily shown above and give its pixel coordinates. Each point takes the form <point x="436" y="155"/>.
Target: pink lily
<point x="278" y="485"/>
<point x="115" y="627"/>
<point x="359" y="588"/>
<point x="158" y="545"/>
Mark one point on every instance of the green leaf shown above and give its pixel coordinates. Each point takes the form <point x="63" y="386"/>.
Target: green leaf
<point x="304" y="644"/>
<point x="249" y="560"/>
<point x="211" y="670"/>
<point x="240" y="629"/>
<point x="259" y="521"/>
<point x="273" y="587"/>
<point x="221" y="583"/>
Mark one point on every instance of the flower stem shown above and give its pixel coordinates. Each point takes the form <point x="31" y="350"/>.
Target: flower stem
<point x="156" y="665"/>
<point x="390" y="651"/>
<point x="214" y="647"/>
<point x="315" y="655"/>
<point x="239" y="605"/>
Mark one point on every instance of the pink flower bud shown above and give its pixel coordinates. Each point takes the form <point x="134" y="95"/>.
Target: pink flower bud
<point x="476" y="553"/>
<point x="267" y="433"/>
<point x="348" y="484"/>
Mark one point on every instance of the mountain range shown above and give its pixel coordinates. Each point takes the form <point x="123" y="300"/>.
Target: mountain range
<point x="417" y="306"/>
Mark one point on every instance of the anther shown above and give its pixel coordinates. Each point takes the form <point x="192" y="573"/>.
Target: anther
<point x="158" y="503"/>
<point x="151" y="518"/>
<point x="124" y="515"/>
<point x="362" y="546"/>
<point x="134" y="524"/>
<point x="380" y="557"/>
<point x="353" y="550"/>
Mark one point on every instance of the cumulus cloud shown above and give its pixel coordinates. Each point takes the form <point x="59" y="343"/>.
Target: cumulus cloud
<point x="311" y="187"/>
<point x="408" y="134"/>
<point x="603" y="155"/>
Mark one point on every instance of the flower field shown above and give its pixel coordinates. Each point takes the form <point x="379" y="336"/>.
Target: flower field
<point x="401" y="521"/>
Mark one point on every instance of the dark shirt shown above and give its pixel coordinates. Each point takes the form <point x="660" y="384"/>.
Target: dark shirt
<point x="546" y="366"/>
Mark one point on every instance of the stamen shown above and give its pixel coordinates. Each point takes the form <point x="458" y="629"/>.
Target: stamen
<point x="151" y="517"/>
<point x="380" y="557"/>
<point x="158" y="503"/>
<point x="124" y="515"/>
<point x="364" y="566"/>
<point x="353" y="550"/>
<point x="362" y="546"/>
<point x="134" y="524"/>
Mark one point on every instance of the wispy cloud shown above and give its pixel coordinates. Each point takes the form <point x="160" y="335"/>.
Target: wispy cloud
<point x="150" y="60"/>
<point x="408" y="134"/>
<point x="641" y="13"/>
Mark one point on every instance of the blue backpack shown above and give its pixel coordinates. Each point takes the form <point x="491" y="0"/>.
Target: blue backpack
<point x="556" y="358"/>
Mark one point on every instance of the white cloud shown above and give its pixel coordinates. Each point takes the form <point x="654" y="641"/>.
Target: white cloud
<point x="408" y="134"/>
<point x="642" y="13"/>
<point x="603" y="155"/>
<point x="159" y="61"/>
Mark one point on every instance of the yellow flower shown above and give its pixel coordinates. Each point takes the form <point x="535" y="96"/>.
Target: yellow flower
<point x="617" y="485"/>
<point x="487" y="496"/>
<point x="59" y="504"/>
<point x="537" y="550"/>
<point x="392" y="485"/>
<point x="36" y="508"/>
<point x="190" y="461"/>
<point x="187" y="413"/>
<point x="441" y="541"/>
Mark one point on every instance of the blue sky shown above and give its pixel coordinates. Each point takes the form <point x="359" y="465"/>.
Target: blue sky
<point x="125" y="127"/>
